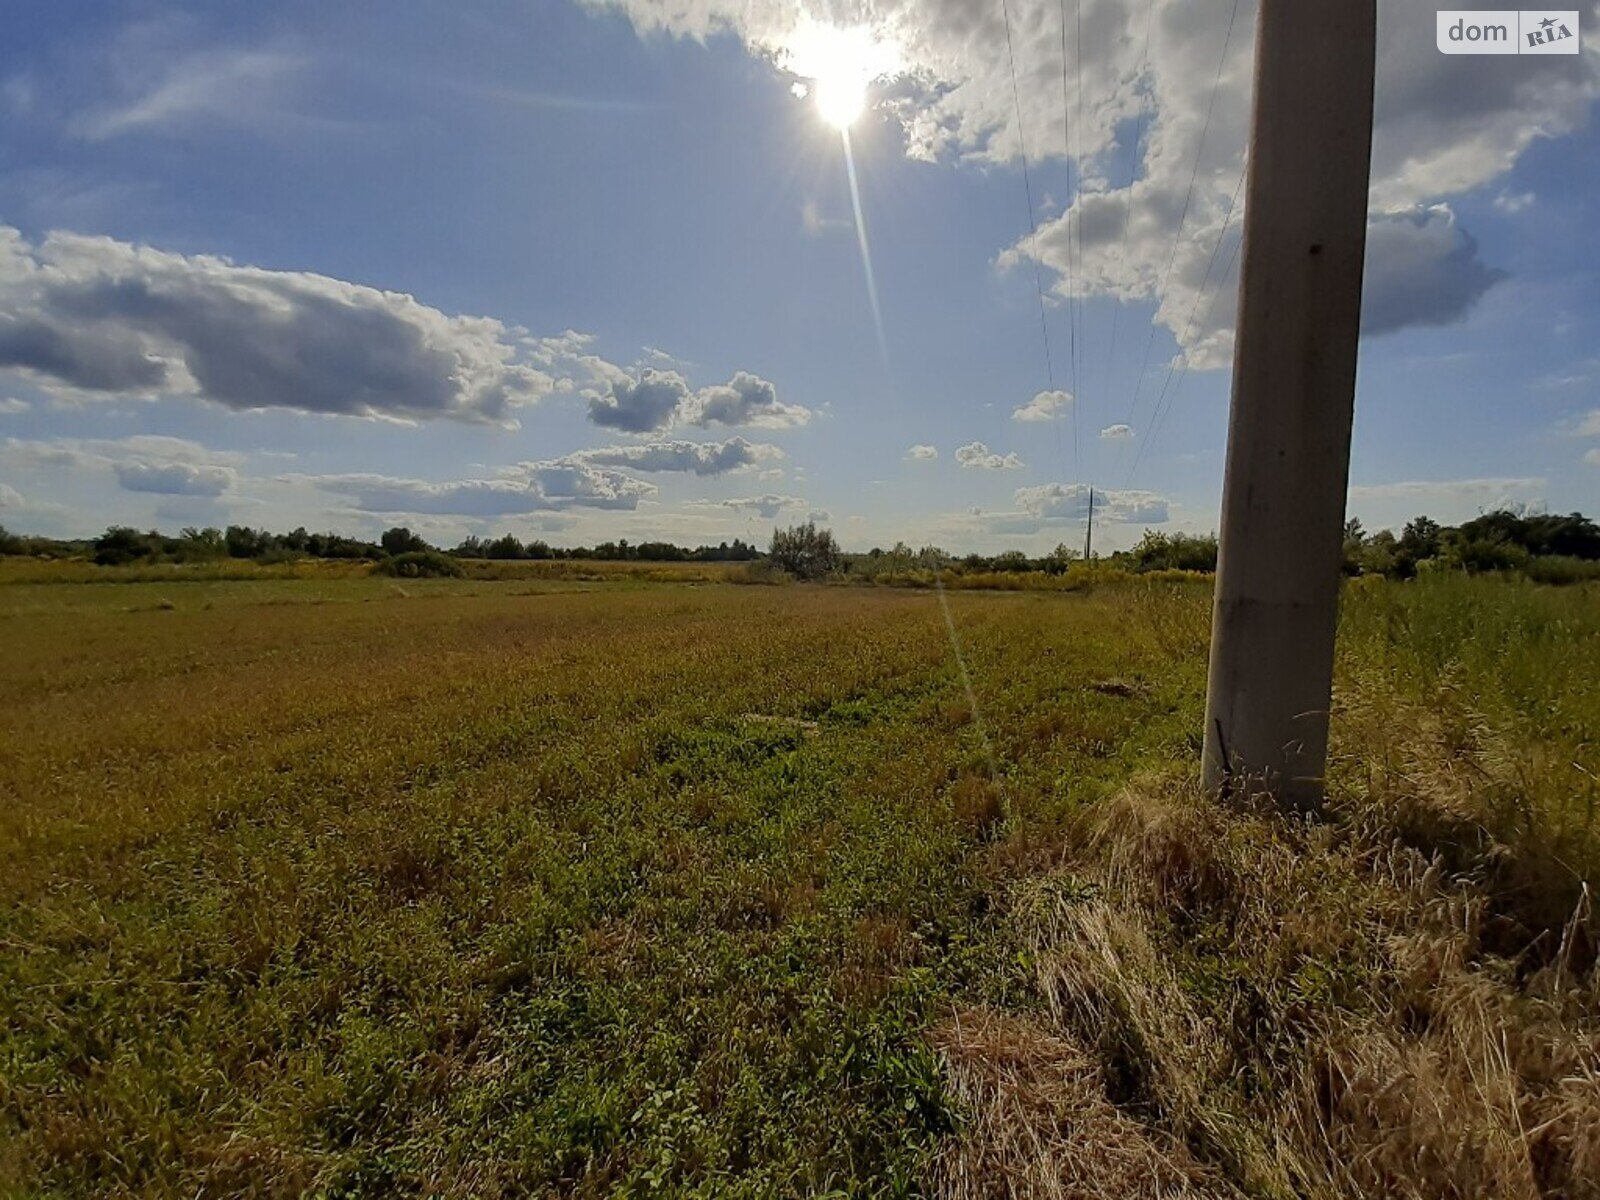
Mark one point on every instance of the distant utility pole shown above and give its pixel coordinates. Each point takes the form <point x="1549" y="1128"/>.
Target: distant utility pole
<point x="1277" y="589"/>
<point x="1088" y="530"/>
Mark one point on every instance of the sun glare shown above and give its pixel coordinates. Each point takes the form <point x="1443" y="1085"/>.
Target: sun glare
<point x="841" y="65"/>
<point x="841" y="100"/>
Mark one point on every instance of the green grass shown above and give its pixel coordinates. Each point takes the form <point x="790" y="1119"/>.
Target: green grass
<point x="543" y="886"/>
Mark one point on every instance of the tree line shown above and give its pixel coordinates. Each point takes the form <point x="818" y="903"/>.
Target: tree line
<point x="121" y="544"/>
<point x="1544" y="546"/>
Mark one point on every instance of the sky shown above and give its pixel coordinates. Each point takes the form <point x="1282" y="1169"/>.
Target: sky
<point x="588" y="270"/>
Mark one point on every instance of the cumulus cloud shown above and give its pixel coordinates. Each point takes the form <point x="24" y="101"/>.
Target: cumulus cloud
<point x="12" y="405"/>
<point x="555" y="485"/>
<point x="1052" y="502"/>
<point x="767" y="506"/>
<point x="1045" y="406"/>
<point x="657" y="399"/>
<point x="1422" y="269"/>
<point x="1116" y="432"/>
<point x="641" y="405"/>
<point x="1588" y="425"/>
<point x="95" y="316"/>
<point x="175" y="479"/>
<point x="977" y="456"/>
<point x="1592" y="456"/>
<point x="165" y="466"/>
<point x="922" y="453"/>
<point x="702" y="458"/>
<point x="745" y="399"/>
<point x="10" y="497"/>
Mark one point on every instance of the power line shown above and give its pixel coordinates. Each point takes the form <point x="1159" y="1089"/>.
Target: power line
<point x="1133" y="167"/>
<point x="1183" y="217"/>
<point x="1157" y="413"/>
<point x="1027" y="187"/>
<point x="1072" y="320"/>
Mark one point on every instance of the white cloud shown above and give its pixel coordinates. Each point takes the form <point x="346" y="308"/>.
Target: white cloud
<point x="10" y="497"/>
<point x="554" y="485"/>
<point x="1513" y="202"/>
<point x="1116" y="432"/>
<point x="1422" y="269"/>
<point x="1053" y="502"/>
<point x="1045" y="406"/>
<point x="175" y="479"/>
<point x="702" y="458"/>
<point x="922" y="453"/>
<point x="163" y="465"/>
<point x="1592" y="456"/>
<point x="657" y="400"/>
<point x="1588" y="425"/>
<point x="745" y="399"/>
<point x="977" y="456"/>
<point x="12" y="405"/>
<point x="767" y="506"/>
<point x="95" y="317"/>
<point x="641" y="405"/>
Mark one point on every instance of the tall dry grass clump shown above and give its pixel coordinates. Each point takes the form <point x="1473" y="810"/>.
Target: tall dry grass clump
<point x="1305" y="1012"/>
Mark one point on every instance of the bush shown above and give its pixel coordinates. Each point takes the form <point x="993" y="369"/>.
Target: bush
<point x="420" y="564"/>
<point x="805" y="551"/>
<point x="1175" y="552"/>
<point x="121" y="544"/>
<point x="400" y="540"/>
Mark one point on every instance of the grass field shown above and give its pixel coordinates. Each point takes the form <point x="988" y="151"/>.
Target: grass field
<point x="655" y="885"/>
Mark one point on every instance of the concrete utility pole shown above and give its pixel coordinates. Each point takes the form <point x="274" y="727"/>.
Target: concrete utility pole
<point x="1294" y="367"/>
<point x="1088" y="530"/>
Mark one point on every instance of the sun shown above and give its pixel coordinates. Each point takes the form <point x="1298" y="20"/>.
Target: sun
<point x="841" y="99"/>
<point x="841" y="63"/>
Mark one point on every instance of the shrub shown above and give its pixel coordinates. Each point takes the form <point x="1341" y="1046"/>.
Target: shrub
<point x="121" y="544"/>
<point x="1175" y="552"/>
<point x="401" y="540"/>
<point x="805" y="551"/>
<point x="420" y="564"/>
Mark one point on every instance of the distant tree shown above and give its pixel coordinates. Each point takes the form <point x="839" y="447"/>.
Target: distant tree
<point x="1059" y="559"/>
<point x="201" y="544"/>
<point x="120" y="544"/>
<point x="1355" y="538"/>
<point x="507" y="545"/>
<point x="401" y="540"/>
<point x="805" y="551"/>
<point x="1175" y="551"/>
<point x="1420" y="538"/>
<point x="244" y="542"/>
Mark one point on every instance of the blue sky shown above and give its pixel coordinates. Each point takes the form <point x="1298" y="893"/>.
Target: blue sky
<point x="581" y="271"/>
